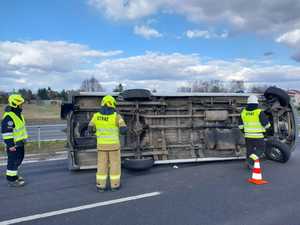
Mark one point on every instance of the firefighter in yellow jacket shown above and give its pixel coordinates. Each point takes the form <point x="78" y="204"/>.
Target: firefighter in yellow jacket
<point x="108" y="125"/>
<point x="14" y="134"/>
<point x="254" y="123"/>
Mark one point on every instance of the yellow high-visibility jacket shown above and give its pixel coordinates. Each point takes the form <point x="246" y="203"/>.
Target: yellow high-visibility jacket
<point x="19" y="132"/>
<point x="251" y="124"/>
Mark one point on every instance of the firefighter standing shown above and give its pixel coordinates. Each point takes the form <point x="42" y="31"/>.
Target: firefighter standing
<point x="254" y="123"/>
<point x="14" y="134"/>
<point x="108" y="125"/>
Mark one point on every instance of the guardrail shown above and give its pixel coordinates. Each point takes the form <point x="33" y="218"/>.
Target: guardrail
<point x="40" y="133"/>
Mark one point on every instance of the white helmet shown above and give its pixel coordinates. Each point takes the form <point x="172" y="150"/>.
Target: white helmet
<point x="252" y="99"/>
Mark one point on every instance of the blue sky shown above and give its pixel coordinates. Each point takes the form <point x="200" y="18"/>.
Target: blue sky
<point x="148" y="44"/>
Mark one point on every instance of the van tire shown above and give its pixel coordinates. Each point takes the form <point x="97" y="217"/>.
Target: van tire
<point x="138" y="164"/>
<point x="273" y="93"/>
<point x="137" y="95"/>
<point x="277" y="151"/>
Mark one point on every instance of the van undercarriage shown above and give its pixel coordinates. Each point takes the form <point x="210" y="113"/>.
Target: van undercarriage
<point x="178" y="128"/>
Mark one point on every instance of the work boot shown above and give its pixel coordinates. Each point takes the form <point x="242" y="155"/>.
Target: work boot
<point x="100" y="189"/>
<point x="16" y="183"/>
<point x="21" y="178"/>
<point x="113" y="189"/>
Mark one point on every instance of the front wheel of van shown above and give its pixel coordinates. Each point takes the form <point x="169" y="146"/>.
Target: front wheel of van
<point x="277" y="150"/>
<point x="273" y="94"/>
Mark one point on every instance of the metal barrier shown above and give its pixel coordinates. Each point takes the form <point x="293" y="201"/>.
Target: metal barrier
<point x="39" y="133"/>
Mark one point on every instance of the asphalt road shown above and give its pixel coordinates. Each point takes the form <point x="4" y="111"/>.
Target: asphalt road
<point x="194" y="194"/>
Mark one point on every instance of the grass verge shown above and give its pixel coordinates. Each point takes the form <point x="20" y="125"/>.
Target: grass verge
<point x="41" y="114"/>
<point x="46" y="147"/>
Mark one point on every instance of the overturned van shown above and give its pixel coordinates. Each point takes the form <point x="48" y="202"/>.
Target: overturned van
<point x="179" y="127"/>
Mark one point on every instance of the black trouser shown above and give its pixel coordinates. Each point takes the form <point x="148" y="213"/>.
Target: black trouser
<point x="255" y="146"/>
<point x="14" y="160"/>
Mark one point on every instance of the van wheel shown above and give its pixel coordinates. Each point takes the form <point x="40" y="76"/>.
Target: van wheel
<point x="273" y="94"/>
<point x="138" y="164"/>
<point x="277" y="151"/>
<point x="136" y="95"/>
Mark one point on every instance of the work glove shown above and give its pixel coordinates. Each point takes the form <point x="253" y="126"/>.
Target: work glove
<point x="12" y="149"/>
<point x="91" y="129"/>
<point x="253" y="157"/>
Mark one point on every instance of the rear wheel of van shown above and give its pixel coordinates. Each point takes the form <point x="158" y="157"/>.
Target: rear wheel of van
<point x="277" y="151"/>
<point x="138" y="164"/>
<point x="137" y="95"/>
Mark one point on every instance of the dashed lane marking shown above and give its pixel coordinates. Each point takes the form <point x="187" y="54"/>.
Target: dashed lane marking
<point x="79" y="208"/>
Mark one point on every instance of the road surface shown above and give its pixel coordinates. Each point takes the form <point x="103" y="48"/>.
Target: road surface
<point x="193" y="194"/>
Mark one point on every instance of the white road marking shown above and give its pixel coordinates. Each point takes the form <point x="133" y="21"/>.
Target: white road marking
<point x="79" y="208"/>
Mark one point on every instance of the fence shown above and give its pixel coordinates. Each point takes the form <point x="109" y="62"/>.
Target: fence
<point x="39" y="133"/>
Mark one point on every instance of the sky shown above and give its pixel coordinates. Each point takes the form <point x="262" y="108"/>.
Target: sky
<point x="154" y="44"/>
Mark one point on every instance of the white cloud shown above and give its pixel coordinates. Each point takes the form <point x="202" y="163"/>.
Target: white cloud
<point x="292" y="40"/>
<point x="129" y="10"/>
<point x="37" y="63"/>
<point x="47" y="56"/>
<point x="165" y="70"/>
<point x="258" y="16"/>
<point x="146" y="32"/>
<point x="60" y="65"/>
<point x="204" y="34"/>
<point x="21" y="81"/>
<point x="198" y="34"/>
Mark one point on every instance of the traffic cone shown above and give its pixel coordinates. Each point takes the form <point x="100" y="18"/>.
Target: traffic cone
<point x="256" y="173"/>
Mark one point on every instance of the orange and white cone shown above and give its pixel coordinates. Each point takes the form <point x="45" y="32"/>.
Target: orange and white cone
<point x="256" y="172"/>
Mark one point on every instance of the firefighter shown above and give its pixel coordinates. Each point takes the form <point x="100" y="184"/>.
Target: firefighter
<point x="14" y="134"/>
<point x="108" y="124"/>
<point x="254" y="123"/>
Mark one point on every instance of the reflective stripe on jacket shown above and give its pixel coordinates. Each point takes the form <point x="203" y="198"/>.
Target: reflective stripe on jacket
<point x="107" y="131"/>
<point x="252" y="126"/>
<point x="19" y="132"/>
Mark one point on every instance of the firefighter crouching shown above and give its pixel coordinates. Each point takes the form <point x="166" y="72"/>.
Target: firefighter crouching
<point x="108" y="124"/>
<point x="254" y="123"/>
<point x="14" y="134"/>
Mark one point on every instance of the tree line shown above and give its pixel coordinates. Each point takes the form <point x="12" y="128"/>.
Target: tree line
<point x="41" y="94"/>
<point x="88" y="85"/>
<point x="233" y="86"/>
<point x="93" y="85"/>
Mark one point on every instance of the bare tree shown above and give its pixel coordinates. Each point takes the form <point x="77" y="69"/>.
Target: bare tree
<point x="237" y="86"/>
<point x="119" y="88"/>
<point x="91" y="85"/>
<point x="216" y="86"/>
<point x="200" y="86"/>
<point x="204" y="86"/>
<point x="258" y="88"/>
<point x="3" y="97"/>
<point x="27" y="94"/>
